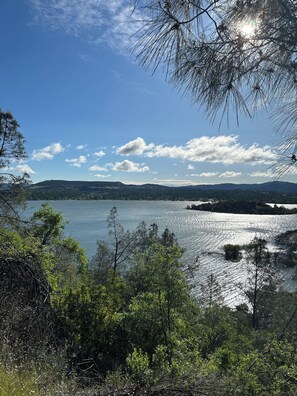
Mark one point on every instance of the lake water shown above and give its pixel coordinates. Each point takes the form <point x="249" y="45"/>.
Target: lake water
<point x="202" y="234"/>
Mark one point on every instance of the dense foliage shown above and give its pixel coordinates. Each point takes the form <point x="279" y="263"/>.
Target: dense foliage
<point x="128" y="322"/>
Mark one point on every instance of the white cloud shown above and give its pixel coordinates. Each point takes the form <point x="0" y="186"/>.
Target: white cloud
<point x="121" y="26"/>
<point x="99" y="154"/>
<point x="106" y="21"/>
<point x="223" y="149"/>
<point x="191" y="167"/>
<point x="81" y="146"/>
<point x="69" y="15"/>
<point x="77" y="161"/>
<point x="134" y="147"/>
<point x="129" y="166"/>
<point x="205" y="174"/>
<point x="173" y="182"/>
<point x="24" y="168"/>
<point x="230" y="174"/>
<point x="262" y="174"/>
<point x="101" y="176"/>
<point x="47" y="152"/>
<point x="97" y="168"/>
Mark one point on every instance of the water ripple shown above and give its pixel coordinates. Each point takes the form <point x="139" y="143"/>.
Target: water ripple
<point x="198" y="232"/>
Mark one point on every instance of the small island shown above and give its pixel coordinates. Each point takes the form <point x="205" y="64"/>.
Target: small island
<point x="243" y="207"/>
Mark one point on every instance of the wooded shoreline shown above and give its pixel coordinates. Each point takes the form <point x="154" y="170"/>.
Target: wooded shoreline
<point x="243" y="207"/>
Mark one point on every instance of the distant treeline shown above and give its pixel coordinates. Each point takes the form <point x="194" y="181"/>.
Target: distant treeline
<point x="64" y="190"/>
<point x="243" y="207"/>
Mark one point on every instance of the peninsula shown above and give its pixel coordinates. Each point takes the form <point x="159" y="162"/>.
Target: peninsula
<point x="243" y="207"/>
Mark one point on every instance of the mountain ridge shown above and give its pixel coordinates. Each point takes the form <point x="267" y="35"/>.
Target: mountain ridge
<point x="267" y="186"/>
<point x="276" y="191"/>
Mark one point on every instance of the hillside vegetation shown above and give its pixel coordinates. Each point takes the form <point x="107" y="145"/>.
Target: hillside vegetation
<point x="126" y="323"/>
<point x="276" y="192"/>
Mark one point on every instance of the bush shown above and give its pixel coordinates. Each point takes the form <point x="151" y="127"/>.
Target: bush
<point x="139" y="367"/>
<point x="232" y="252"/>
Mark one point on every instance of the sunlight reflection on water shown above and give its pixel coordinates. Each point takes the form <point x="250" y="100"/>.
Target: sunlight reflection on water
<point x="200" y="233"/>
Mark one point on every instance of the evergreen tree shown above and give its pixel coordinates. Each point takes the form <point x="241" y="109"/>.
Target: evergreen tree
<point x="228" y="55"/>
<point x="11" y="150"/>
<point x="263" y="280"/>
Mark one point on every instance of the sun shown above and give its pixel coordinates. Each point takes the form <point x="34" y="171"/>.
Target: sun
<point x="247" y="28"/>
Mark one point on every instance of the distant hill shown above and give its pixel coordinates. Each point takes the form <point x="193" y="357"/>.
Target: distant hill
<point x="276" y="186"/>
<point x="69" y="184"/>
<point x="278" y="192"/>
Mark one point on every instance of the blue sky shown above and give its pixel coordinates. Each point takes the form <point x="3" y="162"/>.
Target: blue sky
<point x="88" y="111"/>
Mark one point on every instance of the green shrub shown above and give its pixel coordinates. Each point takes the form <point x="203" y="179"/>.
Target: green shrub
<point x="232" y="252"/>
<point x="139" y="367"/>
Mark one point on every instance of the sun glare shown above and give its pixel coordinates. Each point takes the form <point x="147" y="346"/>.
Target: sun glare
<point x="247" y="28"/>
